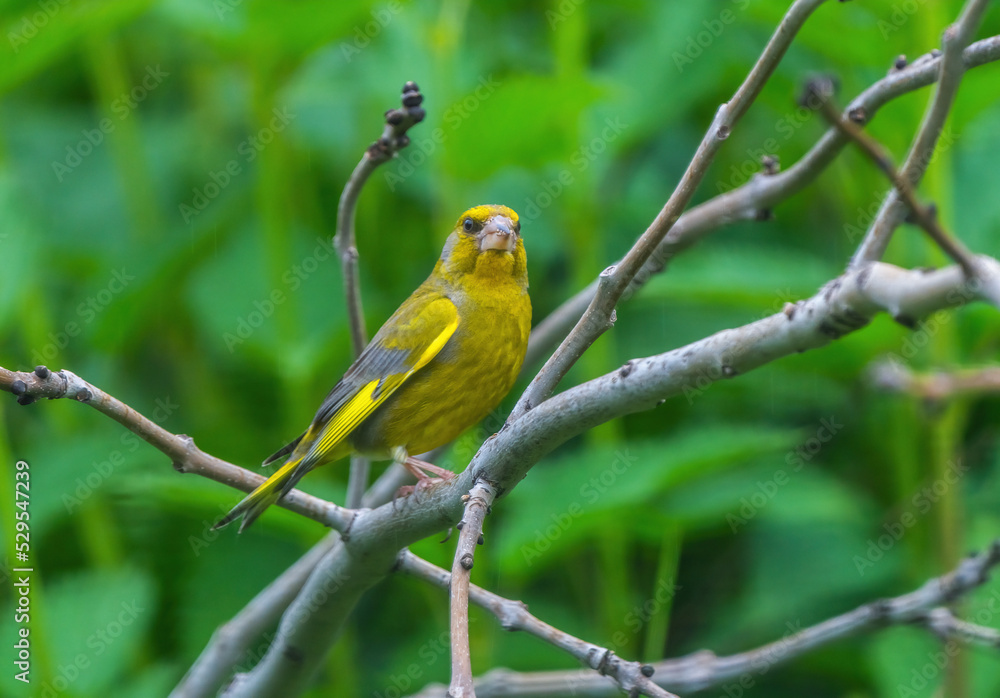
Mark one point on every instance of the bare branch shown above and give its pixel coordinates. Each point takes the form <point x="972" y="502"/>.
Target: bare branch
<point x="514" y="615"/>
<point x="700" y="670"/>
<point x="938" y="385"/>
<point x="924" y="216"/>
<point x="478" y="503"/>
<point x="893" y="211"/>
<point x="614" y="280"/>
<point x="759" y="195"/>
<point x="186" y="457"/>
<point x="393" y="138"/>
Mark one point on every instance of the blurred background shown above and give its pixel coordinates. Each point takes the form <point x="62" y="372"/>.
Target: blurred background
<point x="169" y="176"/>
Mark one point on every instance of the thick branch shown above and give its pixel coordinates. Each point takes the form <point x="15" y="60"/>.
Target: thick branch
<point x="615" y="279"/>
<point x="230" y="641"/>
<point x="186" y="457"/>
<point x="893" y="210"/>
<point x="695" y="672"/>
<point x="480" y="498"/>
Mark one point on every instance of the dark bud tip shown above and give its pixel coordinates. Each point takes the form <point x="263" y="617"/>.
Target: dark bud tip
<point x="394" y="117"/>
<point x="84" y="395"/>
<point x="480" y="540"/>
<point x="771" y="164"/>
<point x="460" y="525"/>
<point x="818" y="90"/>
<point x="18" y="387"/>
<point x="42" y="372"/>
<point x="935" y="52"/>
<point x="412" y="99"/>
<point x="25" y="400"/>
<point x="466" y="561"/>
<point x="418" y="114"/>
<point x="647" y="670"/>
<point x="403" y="141"/>
<point x="900" y="62"/>
<point x="410" y="86"/>
<point x="764" y="214"/>
<point x="858" y="115"/>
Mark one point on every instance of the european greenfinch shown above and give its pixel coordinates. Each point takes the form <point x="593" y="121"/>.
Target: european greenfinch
<point x="445" y="358"/>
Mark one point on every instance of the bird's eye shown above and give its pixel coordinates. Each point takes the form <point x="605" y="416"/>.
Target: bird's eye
<point x="468" y="224"/>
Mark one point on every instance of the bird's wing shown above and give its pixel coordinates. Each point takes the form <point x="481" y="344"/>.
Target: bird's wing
<point x="406" y="343"/>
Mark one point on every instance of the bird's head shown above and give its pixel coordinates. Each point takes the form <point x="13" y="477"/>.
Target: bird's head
<point x="486" y="242"/>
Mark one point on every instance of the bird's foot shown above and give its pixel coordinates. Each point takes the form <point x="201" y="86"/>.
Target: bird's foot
<point x="420" y="468"/>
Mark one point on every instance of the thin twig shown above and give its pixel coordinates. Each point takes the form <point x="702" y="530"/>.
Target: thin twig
<point x="514" y="616"/>
<point x="893" y="211"/>
<point x="938" y="385"/>
<point x="752" y="200"/>
<point x="393" y="138"/>
<point x="700" y="670"/>
<point x="923" y="215"/>
<point x="186" y="457"/>
<point x="613" y="281"/>
<point x="480" y="499"/>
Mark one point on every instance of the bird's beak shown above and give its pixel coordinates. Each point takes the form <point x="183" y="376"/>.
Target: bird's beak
<point x="498" y="234"/>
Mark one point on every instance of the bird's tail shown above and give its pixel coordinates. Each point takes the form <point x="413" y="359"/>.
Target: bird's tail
<point x="269" y="492"/>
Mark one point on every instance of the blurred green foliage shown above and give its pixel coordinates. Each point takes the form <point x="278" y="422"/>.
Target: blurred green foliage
<point x="169" y="174"/>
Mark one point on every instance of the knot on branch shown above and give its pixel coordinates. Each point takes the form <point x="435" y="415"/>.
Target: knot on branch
<point x="397" y="123"/>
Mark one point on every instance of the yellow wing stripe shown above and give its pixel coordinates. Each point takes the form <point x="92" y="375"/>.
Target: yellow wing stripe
<point x="347" y="418"/>
<point x="431" y="351"/>
<point x="363" y="404"/>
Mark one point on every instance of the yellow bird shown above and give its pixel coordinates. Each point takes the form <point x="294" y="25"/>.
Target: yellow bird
<point x="445" y="358"/>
